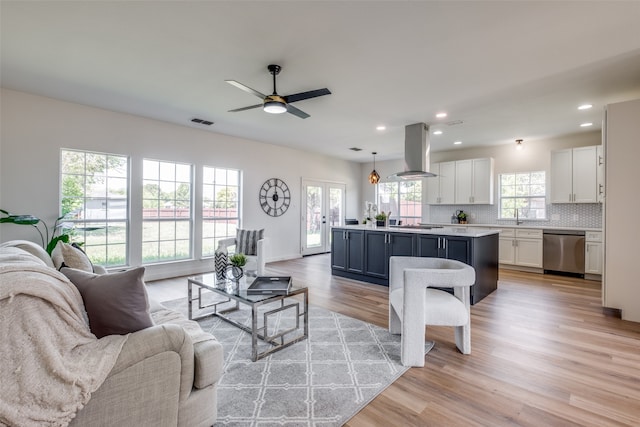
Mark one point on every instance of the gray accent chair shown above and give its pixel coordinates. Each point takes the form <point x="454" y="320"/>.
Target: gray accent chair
<point x="161" y="377"/>
<point x="414" y="303"/>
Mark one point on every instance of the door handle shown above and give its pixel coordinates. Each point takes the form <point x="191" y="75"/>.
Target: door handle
<point x="600" y="188"/>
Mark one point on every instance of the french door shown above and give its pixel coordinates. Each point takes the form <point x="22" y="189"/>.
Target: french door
<point x="323" y="205"/>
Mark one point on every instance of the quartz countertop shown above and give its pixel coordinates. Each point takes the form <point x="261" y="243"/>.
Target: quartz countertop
<point x="528" y="225"/>
<point x="443" y="230"/>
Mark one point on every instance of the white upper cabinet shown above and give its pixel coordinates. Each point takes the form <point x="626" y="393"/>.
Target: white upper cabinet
<point x="441" y="189"/>
<point x="474" y="181"/>
<point x="574" y="175"/>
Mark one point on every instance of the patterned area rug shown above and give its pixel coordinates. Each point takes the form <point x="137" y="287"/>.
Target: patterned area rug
<point x="322" y="381"/>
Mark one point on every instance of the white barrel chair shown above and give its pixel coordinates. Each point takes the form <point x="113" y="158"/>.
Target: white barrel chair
<point x="413" y="303"/>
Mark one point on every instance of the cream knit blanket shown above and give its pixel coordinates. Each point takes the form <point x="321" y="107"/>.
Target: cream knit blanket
<point x="50" y="362"/>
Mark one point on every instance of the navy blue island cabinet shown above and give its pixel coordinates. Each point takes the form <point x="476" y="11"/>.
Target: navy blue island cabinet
<point x="363" y="254"/>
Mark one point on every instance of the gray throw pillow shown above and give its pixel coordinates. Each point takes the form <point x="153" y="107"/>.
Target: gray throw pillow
<point x="247" y="241"/>
<point x="116" y="303"/>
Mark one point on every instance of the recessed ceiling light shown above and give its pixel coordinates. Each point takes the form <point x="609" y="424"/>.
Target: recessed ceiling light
<point x="585" y="107"/>
<point x="441" y="115"/>
<point x="457" y="143"/>
<point x="381" y="127"/>
<point x="584" y="125"/>
<point x="437" y="132"/>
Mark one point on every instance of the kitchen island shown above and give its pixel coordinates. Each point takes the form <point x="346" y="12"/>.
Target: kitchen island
<point x="362" y="253"/>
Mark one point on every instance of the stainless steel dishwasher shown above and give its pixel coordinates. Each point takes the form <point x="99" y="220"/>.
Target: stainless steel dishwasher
<point x="563" y="251"/>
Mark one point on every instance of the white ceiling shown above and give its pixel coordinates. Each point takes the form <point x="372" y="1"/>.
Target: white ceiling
<point x="507" y="70"/>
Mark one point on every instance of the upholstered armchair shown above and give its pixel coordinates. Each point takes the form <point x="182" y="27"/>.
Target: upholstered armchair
<point x="253" y="244"/>
<point x="414" y="303"/>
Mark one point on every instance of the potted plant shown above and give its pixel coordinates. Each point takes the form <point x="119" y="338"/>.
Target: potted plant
<point x="237" y="262"/>
<point x="381" y="219"/>
<point x="462" y="217"/>
<point x="61" y="231"/>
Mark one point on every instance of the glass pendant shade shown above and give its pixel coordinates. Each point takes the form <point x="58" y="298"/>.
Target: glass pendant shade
<point x="374" y="177"/>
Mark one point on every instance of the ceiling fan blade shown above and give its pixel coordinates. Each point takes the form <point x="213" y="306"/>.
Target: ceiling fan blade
<point x="296" y="112"/>
<point x="246" y="89"/>
<point x="306" y="95"/>
<point x="245" y="108"/>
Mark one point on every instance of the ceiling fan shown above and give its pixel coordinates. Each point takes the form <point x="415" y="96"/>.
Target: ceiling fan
<point x="277" y="104"/>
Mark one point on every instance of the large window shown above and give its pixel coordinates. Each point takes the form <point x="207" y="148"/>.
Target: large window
<point x="94" y="202"/>
<point x="166" y="216"/>
<point x="523" y="195"/>
<point x="403" y="199"/>
<point x="220" y="206"/>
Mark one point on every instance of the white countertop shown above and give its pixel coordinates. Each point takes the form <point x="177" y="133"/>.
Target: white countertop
<point x="528" y="225"/>
<point x="446" y="230"/>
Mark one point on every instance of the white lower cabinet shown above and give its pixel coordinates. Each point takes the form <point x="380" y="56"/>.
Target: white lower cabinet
<point x="521" y="247"/>
<point x="593" y="258"/>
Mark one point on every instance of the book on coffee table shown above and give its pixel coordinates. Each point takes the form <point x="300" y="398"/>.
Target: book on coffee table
<point x="264" y="285"/>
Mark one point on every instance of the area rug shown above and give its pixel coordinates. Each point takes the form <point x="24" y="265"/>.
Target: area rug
<point x="322" y="381"/>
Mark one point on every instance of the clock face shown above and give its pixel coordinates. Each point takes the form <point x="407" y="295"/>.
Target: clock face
<point x="275" y="197"/>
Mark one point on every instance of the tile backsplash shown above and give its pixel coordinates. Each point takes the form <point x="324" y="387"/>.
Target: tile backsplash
<point x="587" y="215"/>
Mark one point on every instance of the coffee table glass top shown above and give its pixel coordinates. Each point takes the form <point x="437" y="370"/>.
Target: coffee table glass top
<point x="237" y="289"/>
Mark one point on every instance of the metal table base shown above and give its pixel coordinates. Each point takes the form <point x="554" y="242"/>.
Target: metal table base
<point x="276" y="339"/>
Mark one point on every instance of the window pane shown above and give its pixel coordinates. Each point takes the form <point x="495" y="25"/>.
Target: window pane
<point x="94" y="186"/>
<point x="166" y="197"/>
<point x="221" y="194"/>
<point x="524" y="194"/>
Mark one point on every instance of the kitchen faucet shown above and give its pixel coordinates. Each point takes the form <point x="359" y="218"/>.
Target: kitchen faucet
<point x="518" y="222"/>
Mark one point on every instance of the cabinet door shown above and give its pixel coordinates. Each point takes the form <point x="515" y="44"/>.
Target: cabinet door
<point x="482" y="181"/>
<point x="561" y="176"/>
<point x="529" y="252"/>
<point x="338" y="249"/>
<point x="506" y="250"/>
<point x="401" y="244"/>
<point x="600" y="173"/>
<point x="376" y="249"/>
<point x="433" y="185"/>
<point x="355" y="251"/>
<point x="464" y="182"/>
<point x="428" y="246"/>
<point x="458" y="248"/>
<point x="593" y="258"/>
<point x="447" y="182"/>
<point x="585" y="180"/>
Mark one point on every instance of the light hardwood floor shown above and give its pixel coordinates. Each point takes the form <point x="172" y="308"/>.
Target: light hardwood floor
<point x="544" y="353"/>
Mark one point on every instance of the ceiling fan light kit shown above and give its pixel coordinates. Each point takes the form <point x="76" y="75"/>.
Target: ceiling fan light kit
<point x="274" y="103"/>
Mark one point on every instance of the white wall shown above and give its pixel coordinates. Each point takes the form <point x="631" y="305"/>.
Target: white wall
<point x="34" y="129"/>
<point x="621" y="286"/>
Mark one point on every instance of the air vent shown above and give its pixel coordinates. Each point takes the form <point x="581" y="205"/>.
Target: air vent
<point x="355" y="149"/>
<point x="454" y="122"/>
<point x="202" y="122"/>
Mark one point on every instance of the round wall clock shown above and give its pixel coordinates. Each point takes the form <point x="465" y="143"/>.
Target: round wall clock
<point x="275" y="197"/>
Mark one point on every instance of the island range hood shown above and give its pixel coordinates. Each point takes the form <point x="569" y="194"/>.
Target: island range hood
<point x="416" y="153"/>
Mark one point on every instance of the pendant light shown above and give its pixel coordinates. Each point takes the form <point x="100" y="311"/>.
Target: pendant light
<point x="374" y="177"/>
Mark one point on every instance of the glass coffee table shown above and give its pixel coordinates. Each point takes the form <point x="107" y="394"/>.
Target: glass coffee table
<point x="233" y="291"/>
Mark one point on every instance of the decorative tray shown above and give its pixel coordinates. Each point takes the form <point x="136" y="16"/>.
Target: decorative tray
<point x="264" y="285"/>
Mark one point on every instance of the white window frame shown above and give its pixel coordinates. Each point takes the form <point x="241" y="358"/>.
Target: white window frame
<point x="396" y="199"/>
<point x="103" y="231"/>
<point x="165" y="205"/>
<point x="523" y="196"/>
<point x="210" y="191"/>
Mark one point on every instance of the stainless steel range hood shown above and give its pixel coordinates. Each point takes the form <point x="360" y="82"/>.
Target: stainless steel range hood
<point x="416" y="153"/>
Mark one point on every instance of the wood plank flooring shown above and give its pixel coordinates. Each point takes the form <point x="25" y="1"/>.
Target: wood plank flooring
<point x="544" y="353"/>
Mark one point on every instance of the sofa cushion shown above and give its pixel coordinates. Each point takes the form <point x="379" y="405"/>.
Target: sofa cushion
<point x="116" y="303"/>
<point x="66" y="255"/>
<point x="247" y="241"/>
